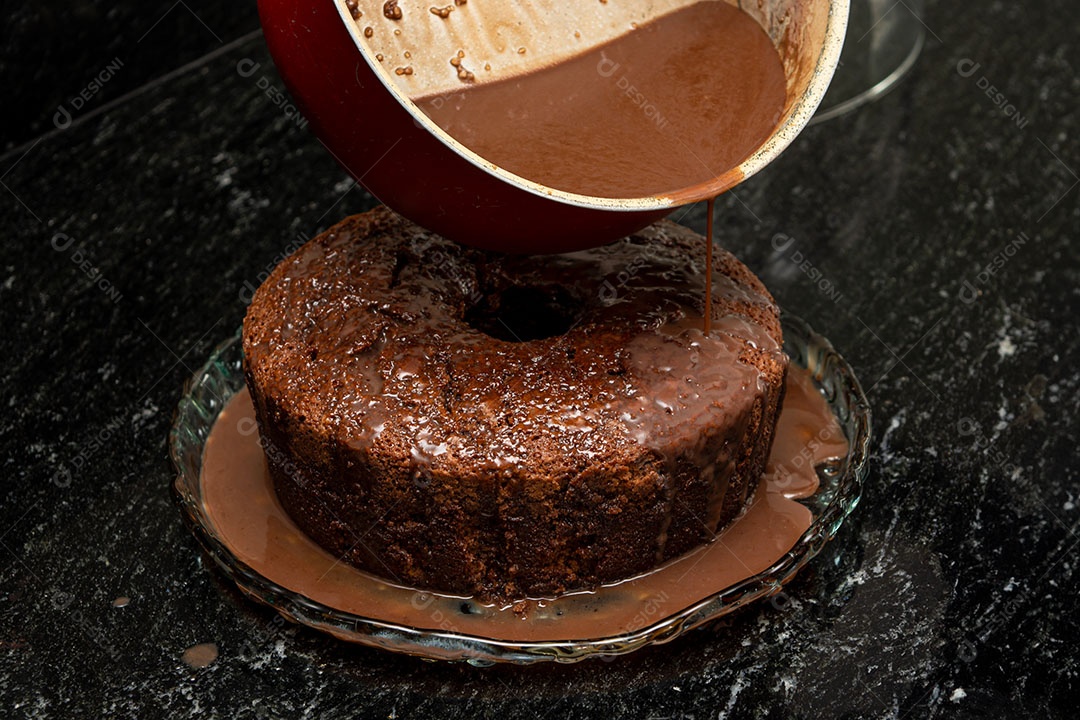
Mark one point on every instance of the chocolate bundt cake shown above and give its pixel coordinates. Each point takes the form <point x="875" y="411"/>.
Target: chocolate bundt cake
<point x="504" y="426"/>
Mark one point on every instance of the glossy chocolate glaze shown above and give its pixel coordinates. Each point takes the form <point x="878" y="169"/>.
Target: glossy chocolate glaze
<point x="240" y="501"/>
<point x="518" y="426"/>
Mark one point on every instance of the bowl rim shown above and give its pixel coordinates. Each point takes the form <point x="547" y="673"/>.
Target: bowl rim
<point x="781" y="138"/>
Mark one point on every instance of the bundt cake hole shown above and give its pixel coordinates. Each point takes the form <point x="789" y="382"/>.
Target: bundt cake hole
<point x="400" y="261"/>
<point x="521" y="313"/>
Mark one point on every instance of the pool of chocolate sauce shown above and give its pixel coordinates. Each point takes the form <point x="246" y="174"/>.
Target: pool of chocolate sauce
<point x="239" y="500"/>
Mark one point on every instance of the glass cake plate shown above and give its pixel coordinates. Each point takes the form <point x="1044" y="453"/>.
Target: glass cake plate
<point x="209" y="391"/>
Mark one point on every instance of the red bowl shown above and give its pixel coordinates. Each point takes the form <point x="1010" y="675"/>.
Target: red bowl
<point x="384" y="141"/>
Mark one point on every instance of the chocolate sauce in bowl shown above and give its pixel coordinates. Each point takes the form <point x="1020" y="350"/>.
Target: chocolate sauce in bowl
<point x="680" y="100"/>
<point x="240" y="503"/>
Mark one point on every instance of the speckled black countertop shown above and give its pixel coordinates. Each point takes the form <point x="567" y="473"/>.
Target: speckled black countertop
<point x="930" y="236"/>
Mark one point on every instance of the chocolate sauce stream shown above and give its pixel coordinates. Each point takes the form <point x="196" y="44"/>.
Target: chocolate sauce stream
<point x="710" y="205"/>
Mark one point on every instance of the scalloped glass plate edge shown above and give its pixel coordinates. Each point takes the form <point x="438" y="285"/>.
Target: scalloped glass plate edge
<point x="208" y="391"/>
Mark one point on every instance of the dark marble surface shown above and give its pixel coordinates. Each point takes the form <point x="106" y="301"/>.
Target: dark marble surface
<point x="952" y="592"/>
<point x="61" y="61"/>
